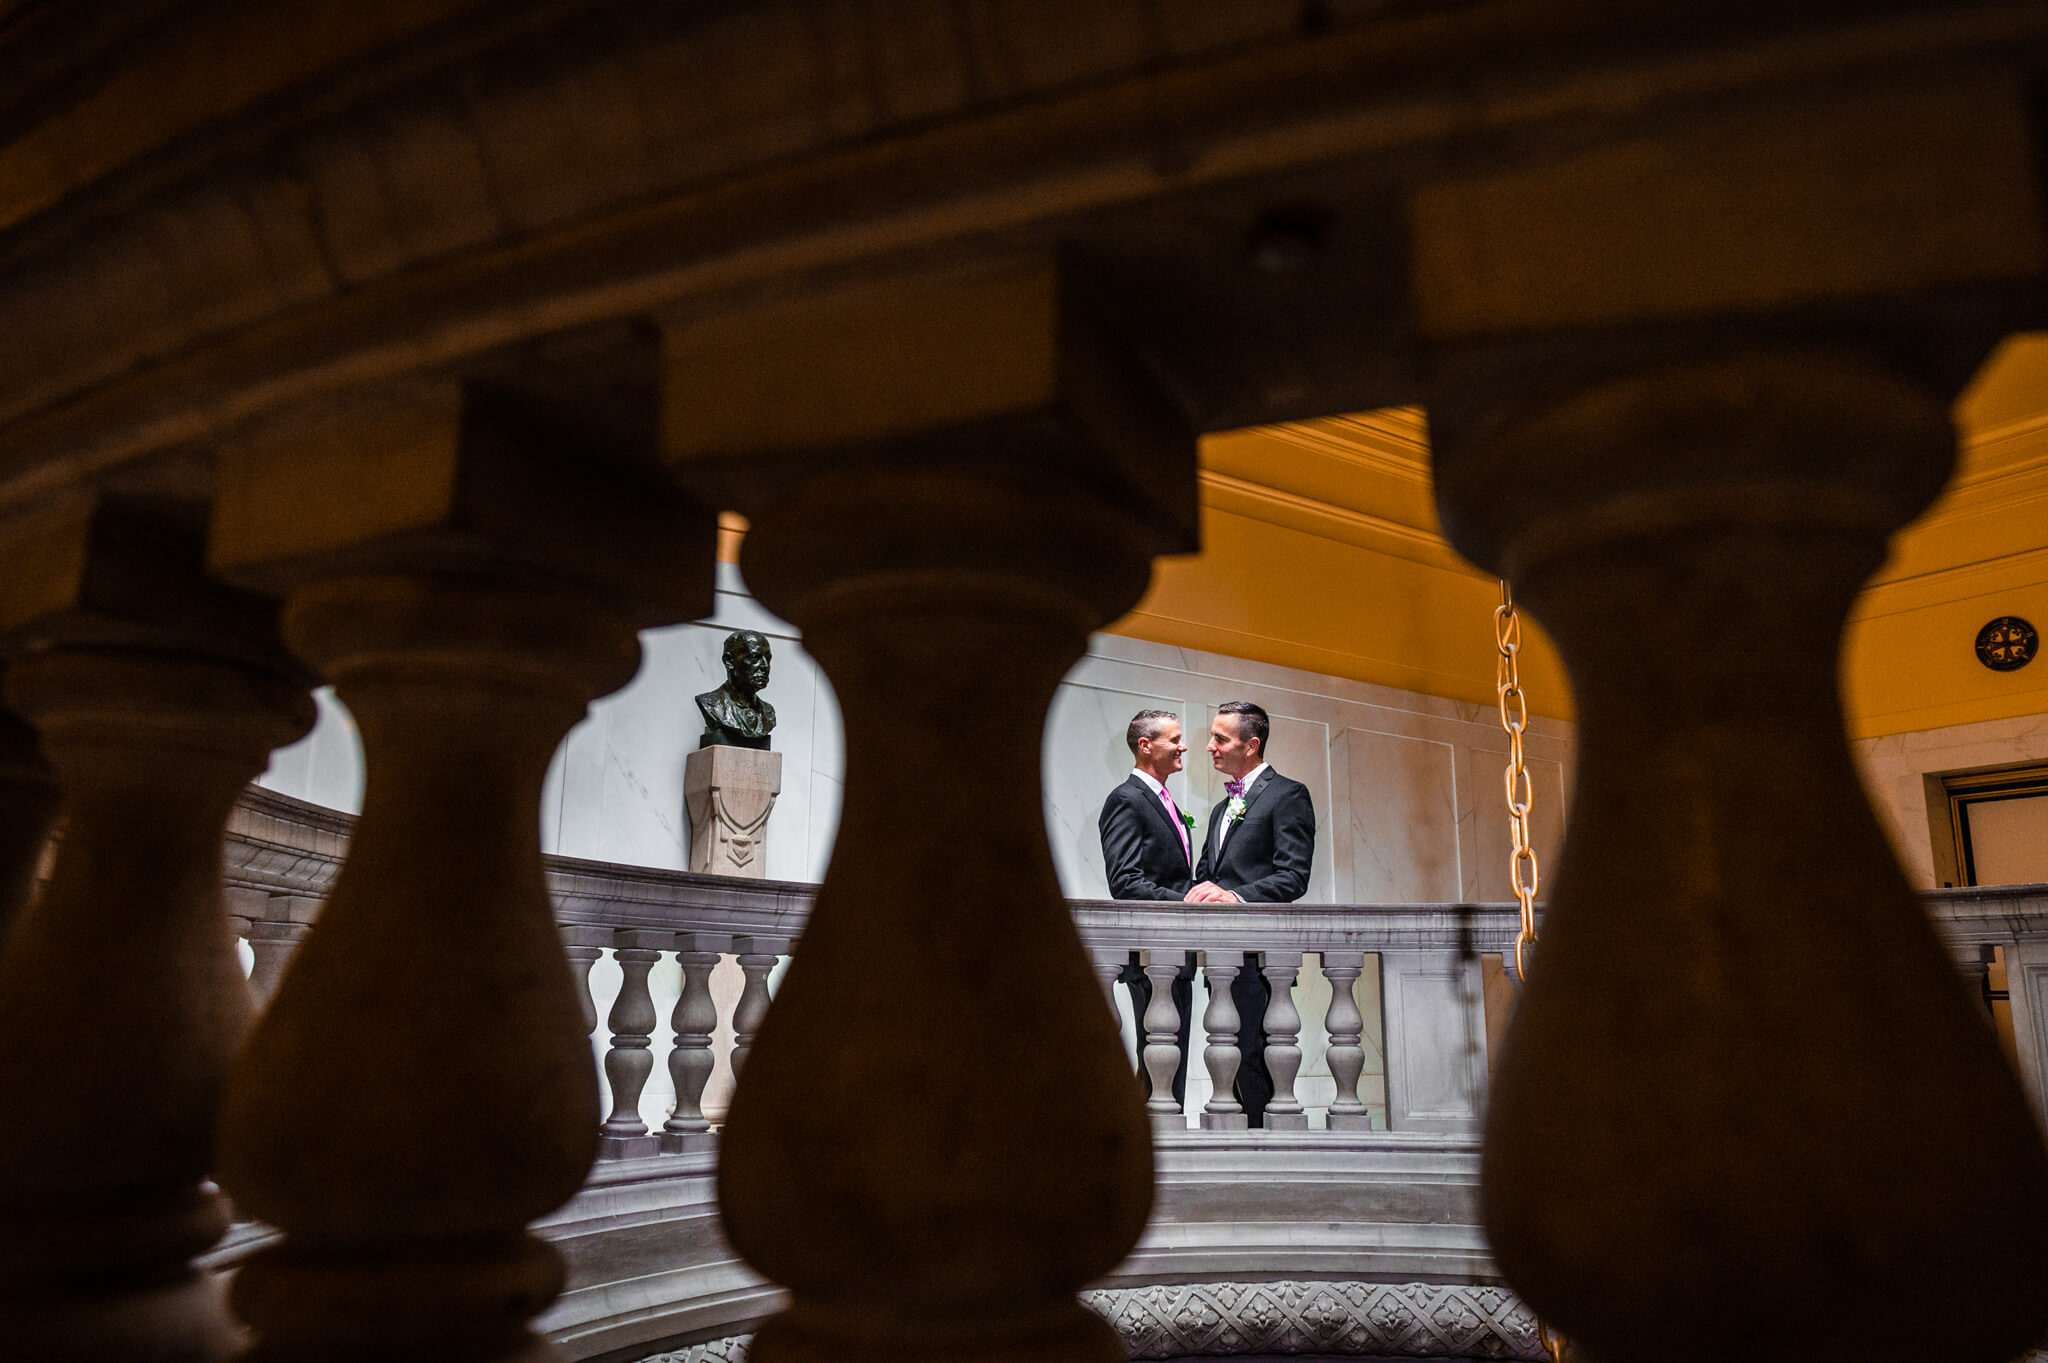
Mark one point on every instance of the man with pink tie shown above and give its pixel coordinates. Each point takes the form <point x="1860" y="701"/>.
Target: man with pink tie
<point x="1148" y="851"/>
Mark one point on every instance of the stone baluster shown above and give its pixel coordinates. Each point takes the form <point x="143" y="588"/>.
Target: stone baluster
<point x="631" y="1059"/>
<point x="1692" y="533"/>
<point x="1283" y="1041"/>
<point x="1110" y="963"/>
<point x="28" y="808"/>
<point x="399" y="1116"/>
<point x="757" y="958"/>
<point x="122" y="999"/>
<point x="874" y="1161"/>
<point x="585" y="946"/>
<point x="690" y="1063"/>
<point x="1223" y="1112"/>
<point x="1346" y="1025"/>
<point x="1162" y="1039"/>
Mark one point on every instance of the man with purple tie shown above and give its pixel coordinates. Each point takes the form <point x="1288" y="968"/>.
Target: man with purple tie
<point x="1148" y="852"/>
<point x="1260" y="847"/>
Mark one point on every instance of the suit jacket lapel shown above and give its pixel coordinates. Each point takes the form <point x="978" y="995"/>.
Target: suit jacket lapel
<point x="1251" y="796"/>
<point x="1258" y="788"/>
<point x="1159" y="808"/>
<point x="1215" y="827"/>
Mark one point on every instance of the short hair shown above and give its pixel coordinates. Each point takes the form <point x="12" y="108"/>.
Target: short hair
<point x="1147" y="724"/>
<point x="1251" y="721"/>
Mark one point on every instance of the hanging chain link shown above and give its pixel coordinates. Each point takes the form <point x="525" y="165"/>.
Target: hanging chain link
<point x="1522" y="868"/>
<point x="1514" y="717"/>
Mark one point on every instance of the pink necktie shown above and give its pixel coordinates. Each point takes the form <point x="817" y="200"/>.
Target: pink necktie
<point x="1186" y="849"/>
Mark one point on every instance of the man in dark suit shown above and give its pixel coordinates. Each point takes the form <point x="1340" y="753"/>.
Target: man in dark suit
<point x="1147" y="845"/>
<point x="1148" y="852"/>
<point x="1261" y="844"/>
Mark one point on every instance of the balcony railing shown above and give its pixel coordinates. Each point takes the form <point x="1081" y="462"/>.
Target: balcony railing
<point x="700" y="954"/>
<point x="1357" y="1198"/>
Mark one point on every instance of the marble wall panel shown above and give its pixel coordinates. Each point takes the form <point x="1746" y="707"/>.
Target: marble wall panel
<point x="1301" y="752"/>
<point x="1403" y="800"/>
<point x="615" y="791"/>
<point x="1084" y="758"/>
<point x="1487" y="846"/>
<point x="827" y="779"/>
<point x="1435" y="1041"/>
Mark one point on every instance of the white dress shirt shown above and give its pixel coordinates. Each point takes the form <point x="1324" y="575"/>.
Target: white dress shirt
<point x="1224" y="832"/>
<point x="1159" y="792"/>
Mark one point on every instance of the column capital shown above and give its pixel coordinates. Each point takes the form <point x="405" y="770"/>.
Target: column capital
<point x="1008" y="365"/>
<point x="454" y="477"/>
<point x="1544" y="461"/>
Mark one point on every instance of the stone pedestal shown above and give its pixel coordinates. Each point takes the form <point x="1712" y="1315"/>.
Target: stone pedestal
<point x="729" y="793"/>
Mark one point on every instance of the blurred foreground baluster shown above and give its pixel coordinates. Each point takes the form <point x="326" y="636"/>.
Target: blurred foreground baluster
<point x="158" y="696"/>
<point x="1827" y="1165"/>
<point x="28" y="809"/>
<point x="401" y="1115"/>
<point x="991" y="477"/>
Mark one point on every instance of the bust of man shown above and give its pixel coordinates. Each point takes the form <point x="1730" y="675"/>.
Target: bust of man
<point x="735" y="716"/>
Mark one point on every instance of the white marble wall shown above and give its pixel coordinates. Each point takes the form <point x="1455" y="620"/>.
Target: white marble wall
<point x="1406" y="787"/>
<point x="615" y="791"/>
<point x="1897" y="767"/>
<point x="1407" y="791"/>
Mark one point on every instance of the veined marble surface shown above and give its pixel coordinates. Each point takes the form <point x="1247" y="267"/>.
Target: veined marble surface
<point x="1407" y="787"/>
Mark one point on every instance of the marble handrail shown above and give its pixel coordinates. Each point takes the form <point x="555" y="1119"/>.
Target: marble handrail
<point x="282" y="854"/>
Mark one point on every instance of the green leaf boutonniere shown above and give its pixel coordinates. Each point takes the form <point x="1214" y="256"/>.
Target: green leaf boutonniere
<point x="1188" y="819"/>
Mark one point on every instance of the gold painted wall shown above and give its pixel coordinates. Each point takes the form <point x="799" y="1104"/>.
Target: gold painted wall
<point x="1321" y="551"/>
<point x="1978" y="553"/>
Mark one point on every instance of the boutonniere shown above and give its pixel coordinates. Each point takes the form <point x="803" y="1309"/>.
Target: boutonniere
<point x="1234" y="811"/>
<point x="1188" y="819"/>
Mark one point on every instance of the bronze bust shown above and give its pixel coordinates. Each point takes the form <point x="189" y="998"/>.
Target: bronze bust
<point x="735" y="716"/>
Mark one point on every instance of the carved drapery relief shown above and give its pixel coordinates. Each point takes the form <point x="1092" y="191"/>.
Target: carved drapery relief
<point x="730" y="793"/>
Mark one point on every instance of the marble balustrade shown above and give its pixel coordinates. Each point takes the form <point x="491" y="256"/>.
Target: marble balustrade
<point x="679" y="969"/>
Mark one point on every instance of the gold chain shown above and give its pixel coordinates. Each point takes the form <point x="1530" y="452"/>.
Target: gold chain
<point x="1522" y="869"/>
<point x="1514" y="717"/>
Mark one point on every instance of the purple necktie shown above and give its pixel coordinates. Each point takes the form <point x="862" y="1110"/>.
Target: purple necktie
<point x="1179" y="826"/>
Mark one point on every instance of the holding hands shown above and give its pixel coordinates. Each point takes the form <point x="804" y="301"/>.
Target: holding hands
<point x="1209" y="892"/>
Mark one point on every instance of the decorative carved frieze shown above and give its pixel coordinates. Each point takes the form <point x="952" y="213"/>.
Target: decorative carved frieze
<point x="1382" y="1320"/>
<point x="1221" y="1320"/>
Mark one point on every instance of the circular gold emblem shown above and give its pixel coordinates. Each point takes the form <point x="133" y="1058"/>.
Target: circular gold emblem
<point x="2007" y="643"/>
